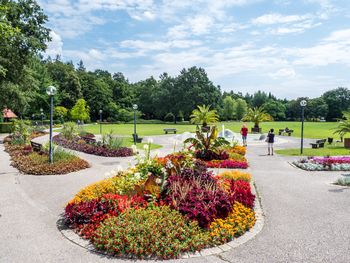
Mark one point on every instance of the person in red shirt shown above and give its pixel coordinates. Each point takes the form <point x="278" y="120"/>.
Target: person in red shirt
<point x="244" y="133"/>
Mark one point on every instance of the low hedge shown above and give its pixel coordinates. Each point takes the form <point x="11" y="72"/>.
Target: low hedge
<point x="6" y="127"/>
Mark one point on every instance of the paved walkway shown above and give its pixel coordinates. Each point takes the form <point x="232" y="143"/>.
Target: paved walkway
<point x="307" y="218"/>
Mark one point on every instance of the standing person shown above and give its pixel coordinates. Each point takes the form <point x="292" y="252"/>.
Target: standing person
<point x="270" y="140"/>
<point x="244" y="133"/>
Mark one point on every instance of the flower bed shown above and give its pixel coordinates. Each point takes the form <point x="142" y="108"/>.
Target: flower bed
<point x="29" y="162"/>
<point x="324" y="163"/>
<point x="79" y="144"/>
<point x="163" y="207"/>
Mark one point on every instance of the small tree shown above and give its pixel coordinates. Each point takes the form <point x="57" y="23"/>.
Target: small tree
<point x="344" y="127"/>
<point x="229" y="108"/>
<point x="61" y="113"/>
<point x="203" y="115"/>
<point x="80" y="111"/>
<point x="257" y="115"/>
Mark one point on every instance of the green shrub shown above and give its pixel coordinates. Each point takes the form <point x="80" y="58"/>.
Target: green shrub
<point x="343" y="181"/>
<point x="152" y="232"/>
<point x="6" y="127"/>
<point x="111" y="141"/>
<point x="21" y="132"/>
<point x="69" y="130"/>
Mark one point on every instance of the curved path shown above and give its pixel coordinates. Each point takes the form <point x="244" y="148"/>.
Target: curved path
<point x="307" y="218"/>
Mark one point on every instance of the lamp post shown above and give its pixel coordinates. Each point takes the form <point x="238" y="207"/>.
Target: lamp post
<point x="303" y="104"/>
<point x="51" y="91"/>
<point x="135" y="136"/>
<point x="100" y="121"/>
<point x="42" y="116"/>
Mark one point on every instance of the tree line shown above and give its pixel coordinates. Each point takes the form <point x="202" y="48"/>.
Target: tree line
<point x="25" y="74"/>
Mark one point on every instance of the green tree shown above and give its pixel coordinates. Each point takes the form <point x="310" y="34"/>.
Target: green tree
<point x="80" y="111"/>
<point x="317" y="108"/>
<point x="229" y="107"/>
<point x="60" y="113"/>
<point x="276" y="109"/>
<point x="344" y="125"/>
<point x="257" y="115"/>
<point x="338" y="100"/>
<point x="241" y="108"/>
<point x="204" y="116"/>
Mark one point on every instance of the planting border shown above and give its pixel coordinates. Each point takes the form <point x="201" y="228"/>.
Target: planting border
<point x="258" y="226"/>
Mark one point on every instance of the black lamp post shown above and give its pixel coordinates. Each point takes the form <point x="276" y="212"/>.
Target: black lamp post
<point x="135" y="135"/>
<point x="100" y="111"/>
<point x="51" y="91"/>
<point x="42" y="116"/>
<point x="303" y="104"/>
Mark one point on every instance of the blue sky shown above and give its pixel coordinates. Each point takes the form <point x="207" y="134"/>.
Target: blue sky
<point x="292" y="48"/>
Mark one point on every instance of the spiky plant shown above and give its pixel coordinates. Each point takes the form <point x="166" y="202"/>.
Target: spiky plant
<point x="257" y="115"/>
<point x="204" y="116"/>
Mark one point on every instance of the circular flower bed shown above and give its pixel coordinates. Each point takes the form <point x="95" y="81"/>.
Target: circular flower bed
<point x="163" y="207"/>
<point x="337" y="163"/>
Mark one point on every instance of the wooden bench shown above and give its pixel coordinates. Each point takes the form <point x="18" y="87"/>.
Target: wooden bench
<point x="166" y="130"/>
<point x="36" y="146"/>
<point x="283" y="131"/>
<point x="318" y="144"/>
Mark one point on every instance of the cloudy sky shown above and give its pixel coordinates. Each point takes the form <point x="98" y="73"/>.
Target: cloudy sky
<point x="289" y="47"/>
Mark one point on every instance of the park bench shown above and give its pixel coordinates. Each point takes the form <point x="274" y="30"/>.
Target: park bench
<point x="318" y="144"/>
<point x="283" y="131"/>
<point x="137" y="139"/>
<point x="36" y="146"/>
<point x="166" y="130"/>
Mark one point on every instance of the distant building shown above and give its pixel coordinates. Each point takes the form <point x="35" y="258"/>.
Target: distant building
<point x="8" y="114"/>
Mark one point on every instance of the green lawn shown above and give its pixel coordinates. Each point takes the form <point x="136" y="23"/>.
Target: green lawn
<point x="311" y="129"/>
<point x="128" y="142"/>
<point x="332" y="150"/>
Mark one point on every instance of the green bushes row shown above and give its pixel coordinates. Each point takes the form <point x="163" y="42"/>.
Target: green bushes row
<point x="6" y="127"/>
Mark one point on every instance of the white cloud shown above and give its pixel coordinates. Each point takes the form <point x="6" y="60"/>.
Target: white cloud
<point x="270" y="19"/>
<point x="54" y="47"/>
<point x="146" y="46"/>
<point x="283" y="73"/>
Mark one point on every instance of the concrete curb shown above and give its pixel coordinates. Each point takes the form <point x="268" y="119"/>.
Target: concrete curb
<point x="259" y="215"/>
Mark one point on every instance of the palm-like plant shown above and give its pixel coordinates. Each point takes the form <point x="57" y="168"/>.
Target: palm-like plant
<point x="207" y="141"/>
<point x="257" y="115"/>
<point x="344" y="125"/>
<point x="203" y="115"/>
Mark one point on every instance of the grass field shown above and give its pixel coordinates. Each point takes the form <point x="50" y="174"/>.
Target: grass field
<point x="311" y="129"/>
<point x="331" y="150"/>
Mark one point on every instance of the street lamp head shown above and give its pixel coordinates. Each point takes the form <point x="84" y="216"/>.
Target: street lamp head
<point x="303" y="103"/>
<point x="100" y="111"/>
<point x="51" y="90"/>
<point x="134" y="106"/>
<point x="41" y="110"/>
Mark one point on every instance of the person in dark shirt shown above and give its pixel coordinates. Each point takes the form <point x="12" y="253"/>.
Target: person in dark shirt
<point x="270" y="141"/>
<point x="244" y="133"/>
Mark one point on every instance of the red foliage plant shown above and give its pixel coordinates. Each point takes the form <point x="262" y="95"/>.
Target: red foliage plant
<point x="241" y="192"/>
<point x="87" y="216"/>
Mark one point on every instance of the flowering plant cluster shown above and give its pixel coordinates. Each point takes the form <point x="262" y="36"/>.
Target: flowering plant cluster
<point x="37" y="163"/>
<point x="163" y="207"/>
<point x="81" y="145"/>
<point x="336" y="163"/>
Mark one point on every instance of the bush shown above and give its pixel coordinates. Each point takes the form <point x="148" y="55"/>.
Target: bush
<point x="240" y="220"/>
<point x="153" y="232"/>
<point x="6" y="127"/>
<point x="69" y="130"/>
<point x="235" y="175"/>
<point x="230" y="163"/>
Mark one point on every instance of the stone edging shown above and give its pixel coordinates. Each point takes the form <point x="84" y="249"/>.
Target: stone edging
<point x="259" y="223"/>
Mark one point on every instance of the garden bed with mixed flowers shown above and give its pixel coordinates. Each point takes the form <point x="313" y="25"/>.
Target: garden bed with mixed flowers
<point x="216" y="152"/>
<point x="37" y="163"/>
<point x="163" y="207"/>
<point x="336" y="163"/>
<point x="81" y="141"/>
